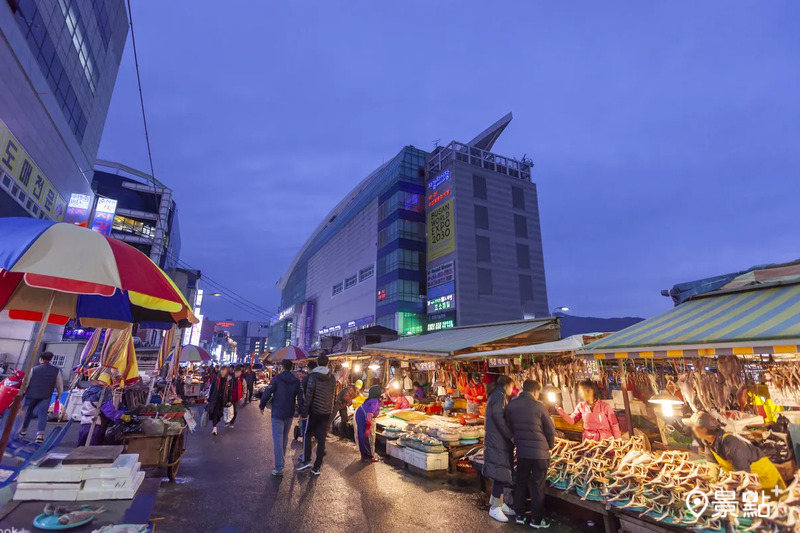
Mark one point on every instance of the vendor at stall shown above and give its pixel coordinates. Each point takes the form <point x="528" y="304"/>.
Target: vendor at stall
<point x="733" y="452"/>
<point x="419" y="392"/>
<point x="475" y="393"/>
<point x="365" y="424"/>
<point x="599" y="420"/>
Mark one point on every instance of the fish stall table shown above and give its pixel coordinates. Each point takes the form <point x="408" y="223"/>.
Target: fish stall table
<point x="20" y="514"/>
<point x="595" y="507"/>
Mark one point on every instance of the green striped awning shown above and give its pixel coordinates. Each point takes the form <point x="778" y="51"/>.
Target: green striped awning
<point x="751" y="321"/>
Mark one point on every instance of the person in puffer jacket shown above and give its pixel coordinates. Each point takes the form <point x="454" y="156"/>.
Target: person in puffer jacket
<point x="108" y="413"/>
<point x="317" y="408"/>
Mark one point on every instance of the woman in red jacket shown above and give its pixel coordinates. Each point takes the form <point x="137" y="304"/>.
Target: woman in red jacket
<point x="238" y="388"/>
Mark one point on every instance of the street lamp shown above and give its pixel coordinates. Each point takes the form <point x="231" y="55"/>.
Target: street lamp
<point x="215" y="294"/>
<point x="563" y="309"/>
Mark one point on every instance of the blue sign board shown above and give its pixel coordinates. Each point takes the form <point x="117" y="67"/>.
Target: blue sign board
<point x="441" y="290"/>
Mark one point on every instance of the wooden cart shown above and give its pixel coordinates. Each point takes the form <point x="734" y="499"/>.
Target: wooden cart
<point x="158" y="451"/>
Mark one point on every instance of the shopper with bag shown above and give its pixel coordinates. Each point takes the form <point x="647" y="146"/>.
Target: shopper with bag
<point x="238" y="390"/>
<point x="317" y="407"/>
<point x="219" y="398"/>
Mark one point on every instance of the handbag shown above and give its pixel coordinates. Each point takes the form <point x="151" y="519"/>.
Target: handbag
<point x="204" y="418"/>
<point x="227" y="413"/>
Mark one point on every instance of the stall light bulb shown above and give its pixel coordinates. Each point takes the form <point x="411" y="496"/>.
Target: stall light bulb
<point x="551" y="397"/>
<point x="395" y="384"/>
<point x="374" y="366"/>
<point x="346" y="364"/>
<point x="357" y="368"/>
<point x="666" y="409"/>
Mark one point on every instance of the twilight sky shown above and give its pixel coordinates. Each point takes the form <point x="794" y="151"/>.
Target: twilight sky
<point x="666" y="135"/>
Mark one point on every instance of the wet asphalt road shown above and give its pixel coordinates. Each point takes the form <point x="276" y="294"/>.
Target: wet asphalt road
<point x="224" y="485"/>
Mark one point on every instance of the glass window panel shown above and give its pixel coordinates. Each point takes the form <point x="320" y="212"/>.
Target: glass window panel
<point x="479" y="187"/>
<point x="521" y="226"/>
<point x="483" y="249"/>
<point x="518" y="197"/>
<point x="525" y="288"/>
<point x="523" y="256"/>
<point x="484" y="281"/>
<point x="481" y="217"/>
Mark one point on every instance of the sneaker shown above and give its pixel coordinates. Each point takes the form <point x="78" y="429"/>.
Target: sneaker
<point x="214" y="432"/>
<point x="497" y="514"/>
<point x="520" y="520"/>
<point x="230" y="426"/>
<point x="540" y="524"/>
<point x="508" y="511"/>
<point x="277" y="473"/>
<point x="303" y="467"/>
<point x="39" y="439"/>
<point x="375" y="460"/>
<point x="22" y="433"/>
<point x="316" y="472"/>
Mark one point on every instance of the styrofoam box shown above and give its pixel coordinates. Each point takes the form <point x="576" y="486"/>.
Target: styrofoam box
<point x="426" y="461"/>
<point x="110" y="483"/>
<point x="393" y="450"/>
<point x="57" y="474"/>
<point x="126" y="493"/>
<point x="46" y="491"/>
<point x="124" y="467"/>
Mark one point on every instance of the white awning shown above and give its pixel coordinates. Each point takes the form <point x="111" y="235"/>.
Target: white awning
<point x="570" y="344"/>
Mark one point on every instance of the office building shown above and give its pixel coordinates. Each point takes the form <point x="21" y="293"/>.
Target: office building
<point x="145" y="216"/>
<point x="58" y="63"/>
<point x="425" y="242"/>
<point x="242" y="338"/>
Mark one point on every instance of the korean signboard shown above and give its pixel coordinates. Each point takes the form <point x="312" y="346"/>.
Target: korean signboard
<point x="442" y="303"/>
<point x="16" y="163"/>
<point x="78" y="209"/>
<point x="441" y="231"/>
<point x="104" y="215"/>
<point x="441" y="274"/>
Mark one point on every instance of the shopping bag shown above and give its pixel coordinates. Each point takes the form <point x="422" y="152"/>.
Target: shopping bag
<point x="227" y="413"/>
<point x="204" y="418"/>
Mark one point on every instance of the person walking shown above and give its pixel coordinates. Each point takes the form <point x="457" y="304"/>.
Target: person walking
<point x="284" y="391"/>
<point x="365" y="424"/>
<point x="310" y="366"/>
<point x="44" y="379"/>
<point x="219" y="396"/>
<point x="238" y="390"/>
<point x="599" y="420"/>
<point x="250" y="381"/>
<point x="317" y="408"/>
<point x="534" y="436"/>
<point x="498" y="449"/>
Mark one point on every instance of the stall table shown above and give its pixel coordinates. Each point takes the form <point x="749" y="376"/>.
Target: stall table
<point x="19" y="515"/>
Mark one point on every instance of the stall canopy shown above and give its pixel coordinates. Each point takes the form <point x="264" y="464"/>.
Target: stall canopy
<point x="467" y="339"/>
<point x="563" y="346"/>
<point x="749" y="319"/>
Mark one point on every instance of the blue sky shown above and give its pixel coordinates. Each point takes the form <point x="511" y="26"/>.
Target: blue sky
<point x="665" y="134"/>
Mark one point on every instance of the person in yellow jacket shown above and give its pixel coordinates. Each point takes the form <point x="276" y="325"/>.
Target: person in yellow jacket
<point x="735" y="453"/>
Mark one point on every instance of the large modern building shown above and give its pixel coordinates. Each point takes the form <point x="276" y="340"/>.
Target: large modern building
<point x="248" y="338"/>
<point x="146" y="216"/>
<point x="425" y="242"/>
<point x="58" y="66"/>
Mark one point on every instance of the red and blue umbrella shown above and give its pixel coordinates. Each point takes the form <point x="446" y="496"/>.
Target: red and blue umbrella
<point x="292" y="353"/>
<point x="98" y="280"/>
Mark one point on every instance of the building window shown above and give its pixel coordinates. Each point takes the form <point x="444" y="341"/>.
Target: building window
<point x="518" y="197"/>
<point x="484" y="281"/>
<point x="525" y="288"/>
<point x="481" y="217"/>
<point x="400" y="290"/>
<point x="523" y="256"/>
<point x="483" y="249"/>
<point x="408" y="201"/>
<point x="350" y="282"/>
<point x="366" y="273"/>
<point x="479" y="187"/>
<point x="400" y="258"/>
<point x="401" y="229"/>
<point x="58" y="360"/>
<point x="521" y="226"/>
<point x="337" y="289"/>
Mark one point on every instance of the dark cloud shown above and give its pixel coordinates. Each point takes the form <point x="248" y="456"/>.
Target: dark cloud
<point x="665" y="136"/>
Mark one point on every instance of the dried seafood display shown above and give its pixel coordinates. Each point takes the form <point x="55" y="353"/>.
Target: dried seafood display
<point x="785" y="378"/>
<point x="783" y="514"/>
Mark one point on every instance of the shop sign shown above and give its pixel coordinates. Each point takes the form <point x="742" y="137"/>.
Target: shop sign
<point x="19" y="166"/>
<point x="309" y="325"/>
<point x="286" y="313"/>
<point x="441" y="231"/>
<point x="442" y="303"/>
<point x="438" y="180"/>
<point x="104" y="215"/>
<point x="438" y="326"/>
<point x="437" y="197"/>
<point x="78" y="209"/>
<point x="441" y="274"/>
<point x="225" y="324"/>
<point x="427" y="365"/>
<point x="441" y="290"/>
<point x="349" y="324"/>
<point x="494" y="362"/>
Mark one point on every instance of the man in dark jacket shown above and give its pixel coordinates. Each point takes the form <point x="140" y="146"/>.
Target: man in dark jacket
<point x="498" y="449"/>
<point x="317" y="407"/>
<point x="44" y="379"/>
<point x="311" y="365"/>
<point x="284" y="390"/>
<point x="250" y="381"/>
<point x="534" y="436"/>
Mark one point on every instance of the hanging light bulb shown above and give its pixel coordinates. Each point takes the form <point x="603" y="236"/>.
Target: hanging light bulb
<point x="346" y="364"/>
<point x="395" y="384"/>
<point x="357" y="368"/>
<point x="374" y="366"/>
<point x="550" y="393"/>
<point x="667" y="401"/>
<point x="667" y="410"/>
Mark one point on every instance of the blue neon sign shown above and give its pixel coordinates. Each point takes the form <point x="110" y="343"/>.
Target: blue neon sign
<point x="438" y="180"/>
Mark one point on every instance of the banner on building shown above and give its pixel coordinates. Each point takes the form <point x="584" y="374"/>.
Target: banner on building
<point x="17" y="166"/>
<point x="441" y="274"/>
<point x="441" y="231"/>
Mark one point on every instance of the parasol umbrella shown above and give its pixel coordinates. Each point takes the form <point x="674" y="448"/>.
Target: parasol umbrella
<point x="51" y="272"/>
<point x="292" y="353"/>
<point x="192" y="354"/>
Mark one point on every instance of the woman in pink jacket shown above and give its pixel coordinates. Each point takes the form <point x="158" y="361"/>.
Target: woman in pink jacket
<point x="599" y="420"/>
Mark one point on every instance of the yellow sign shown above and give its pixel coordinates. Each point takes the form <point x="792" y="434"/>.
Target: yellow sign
<point x="441" y="231"/>
<point x="19" y="165"/>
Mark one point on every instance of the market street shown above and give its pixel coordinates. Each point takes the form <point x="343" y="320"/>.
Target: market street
<point x="224" y="485"/>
